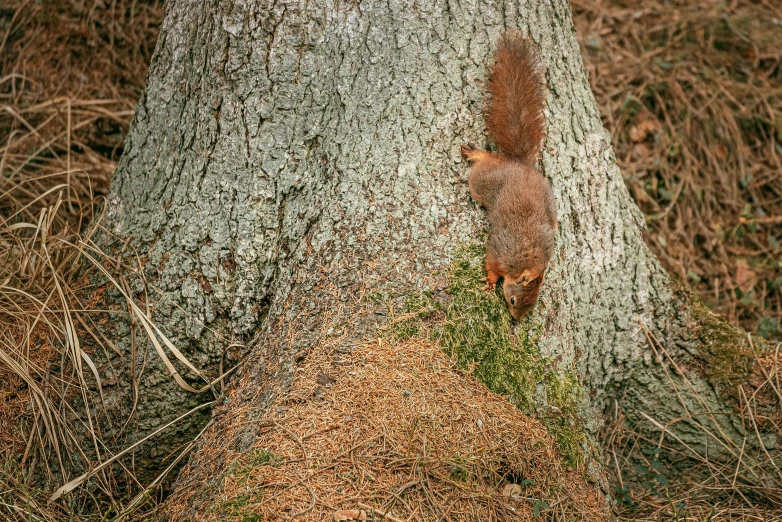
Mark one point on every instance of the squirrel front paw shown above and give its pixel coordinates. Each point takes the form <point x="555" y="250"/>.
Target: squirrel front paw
<point x="472" y="153"/>
<point x="489" y="286"/>
<point x="467" y="150"/>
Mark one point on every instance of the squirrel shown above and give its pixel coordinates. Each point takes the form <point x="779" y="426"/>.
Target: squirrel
<point x="519" y="200"/>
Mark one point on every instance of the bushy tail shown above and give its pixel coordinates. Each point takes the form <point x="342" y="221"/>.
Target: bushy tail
<point x="514" y="115"/>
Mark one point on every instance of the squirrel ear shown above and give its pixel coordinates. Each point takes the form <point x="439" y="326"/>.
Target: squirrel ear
<point x="527" y="276"/>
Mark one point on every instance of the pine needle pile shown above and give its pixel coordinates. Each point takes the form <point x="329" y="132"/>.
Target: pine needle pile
<point x="389" y="431"/>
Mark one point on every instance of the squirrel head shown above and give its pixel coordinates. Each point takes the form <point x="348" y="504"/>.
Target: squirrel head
<point x="521" y="294"/>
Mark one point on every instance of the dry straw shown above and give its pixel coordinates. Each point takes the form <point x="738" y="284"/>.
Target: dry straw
<point x="725" y="478"/>
<point x="70" y="74"/>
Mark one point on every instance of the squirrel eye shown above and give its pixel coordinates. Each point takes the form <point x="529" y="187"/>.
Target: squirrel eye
<point x="513" y="300"/>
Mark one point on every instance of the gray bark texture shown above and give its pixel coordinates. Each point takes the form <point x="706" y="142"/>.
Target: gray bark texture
<point x="290" y="157"/>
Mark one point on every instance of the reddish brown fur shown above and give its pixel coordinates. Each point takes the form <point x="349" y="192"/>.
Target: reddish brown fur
<point x="521" y="205"/>
<point x="493" y="269"/>
<point x="514" y="115"/>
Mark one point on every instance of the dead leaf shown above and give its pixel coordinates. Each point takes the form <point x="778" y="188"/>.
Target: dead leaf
<point x="325" y="380"/>
<point x="593" y="41"/>
<point x="511" y="491"/>
<point x="641" y="151"/>
<point x="745" y="277"/>
<point x="638" y="133"/>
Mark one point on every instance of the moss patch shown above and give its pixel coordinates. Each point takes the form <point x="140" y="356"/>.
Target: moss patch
<point x="729" y="362"/>
<point x="728" y="359"/>
<point x="243" y="467"/>
<point x="475" y="328"/>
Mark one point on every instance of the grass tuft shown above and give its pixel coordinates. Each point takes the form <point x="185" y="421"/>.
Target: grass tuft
<point x="70" y="74"/>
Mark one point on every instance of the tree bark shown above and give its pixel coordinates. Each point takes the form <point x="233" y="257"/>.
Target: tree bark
<point x="288" y="158"/>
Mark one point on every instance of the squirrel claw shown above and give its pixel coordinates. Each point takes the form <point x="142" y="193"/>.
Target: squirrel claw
<point x="488" y="287"/>
<point x="473" y="154"/>
<point x="467" y="150"/>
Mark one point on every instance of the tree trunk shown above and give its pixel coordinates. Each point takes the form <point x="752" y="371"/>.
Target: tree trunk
<point x="290" y="158"/>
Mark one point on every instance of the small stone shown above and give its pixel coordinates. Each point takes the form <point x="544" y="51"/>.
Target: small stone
<point x="593" y="41"/>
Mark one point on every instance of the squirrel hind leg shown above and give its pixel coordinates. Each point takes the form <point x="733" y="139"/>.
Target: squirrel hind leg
<point x="486" y="174"/>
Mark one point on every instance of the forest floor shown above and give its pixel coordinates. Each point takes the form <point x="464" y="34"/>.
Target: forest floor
<point x="691" y="92"/>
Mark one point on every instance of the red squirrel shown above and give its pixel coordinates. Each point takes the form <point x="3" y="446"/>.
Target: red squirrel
<point x="520" y="204"/>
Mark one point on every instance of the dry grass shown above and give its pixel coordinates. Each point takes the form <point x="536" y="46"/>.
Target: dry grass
<point x="725" y="480"/>
<point x="70" y="74"/>
<point x="393" y="429"/>
<point x="691" y="92"/>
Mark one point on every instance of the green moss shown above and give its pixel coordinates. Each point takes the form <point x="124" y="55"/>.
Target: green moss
<point x="458" y="472"/>
<point x="727" y="358"/>
<point x="417" y="309"/>
<point x="262" y="457"/>
<point x="259" y="457"/>
<point x="236" y="503"/>
<point x="236" y="509"/>
<point x="241" y="469"/>
<point x="564" y="393"/>
<point x="475" y="328"/>
<point x="477" y="333"/>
